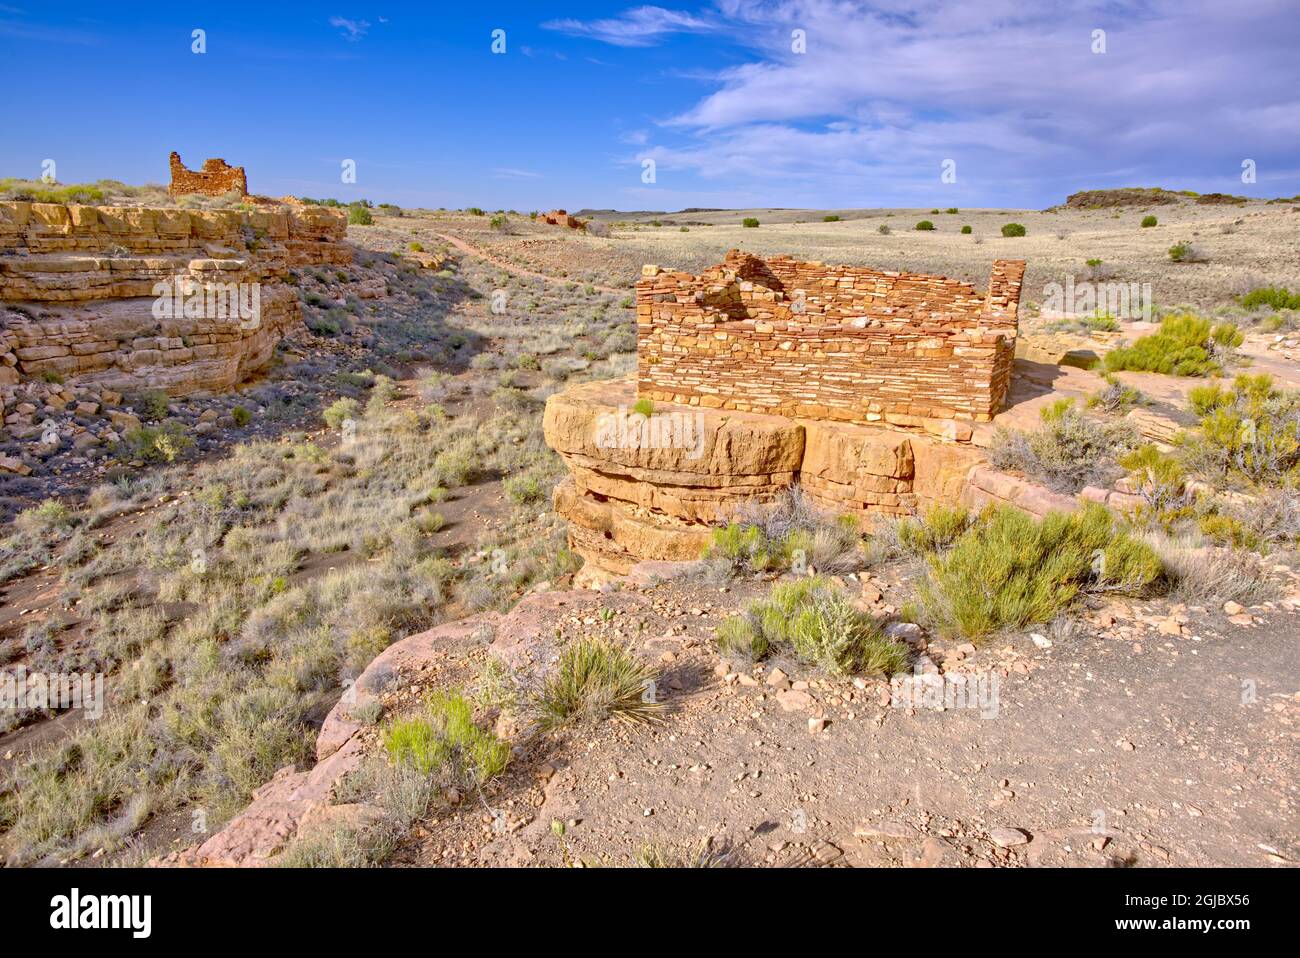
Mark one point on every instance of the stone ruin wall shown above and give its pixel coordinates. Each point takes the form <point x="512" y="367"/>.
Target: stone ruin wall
<point x="77" y="290"/>
<point x="840" y="343"/>
<point x="216" y="178"/>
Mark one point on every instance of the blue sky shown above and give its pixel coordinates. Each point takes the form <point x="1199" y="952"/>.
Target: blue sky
<point x="716" y="94"/>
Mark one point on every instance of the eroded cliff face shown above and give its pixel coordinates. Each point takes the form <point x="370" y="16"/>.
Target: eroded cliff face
<point x="141" y="298"/>
<point x="649" y="488"/>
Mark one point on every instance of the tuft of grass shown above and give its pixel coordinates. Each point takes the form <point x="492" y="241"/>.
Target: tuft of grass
<point x="596" y="679"/>
<point x="1069" y="451"/>
<point x="444" y="739"/>
<point x="339" y="411"/>
<point x="1011" y="570"/>
<point x="814" y="619"/>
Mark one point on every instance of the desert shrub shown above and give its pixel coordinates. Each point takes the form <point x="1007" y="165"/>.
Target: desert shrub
<point x="151" y="404"/>
<point x="1185" y="345"/>
<point x="1114" y="397"/>
<point x="966" y="230"/>
<point x="1185" y="252"/>
<point x="1013" y="229"/>
<point x="932" y="532"/>
<point x="813" y="618"/>
<point x="415" y="247"/>
<point x="1274" y="297"/>
<point x="444" y="739"/>
<point x="830" y="219"/>
<point x="596" y="679"/>
<point x="644" y="407"/>
<point x="337" y="412"/>
<point x="1248" y="432"/>
<point x="1149" y="221"/>
<point x="749" y="222"/>
<point x="50" y="515"/>
<point x="359" y="216"/>
<point x="525" y="488"/>
<point x="1205" y="575"/>
<point x="791" y="533"/>
<point x="1069" y="451"/>
<point x="1011" y="570"/>
<point x="883" y="229"/>
<point x="924" y="225"/>
<point x="952" y="211"/>
<point x="165" y="443"/>
<point x="241" y="416"/>
<point x="1162" y="484"/>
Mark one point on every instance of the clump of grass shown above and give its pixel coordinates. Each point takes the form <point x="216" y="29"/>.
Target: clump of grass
<point x="444" y="739"/>
<point x="1115" y="397"/>
<point x="813" y="618"/>
<point x="1185" y="252"/>
<point x="1011" y="570"/>
<point x="644" y="407"/>
<point x="790" y="533"/>
<point x="1069" y="451"/>
<point x="1185" y="345"/>
<point x="596" y="679"/>
<point x="932" y="532"/>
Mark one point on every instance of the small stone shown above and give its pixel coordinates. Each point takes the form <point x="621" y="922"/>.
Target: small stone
<point x="1233" y="608"/>
<point x="1042" y="641"/>
<point x="778" y="679"/>
<point x="1007" y="837"/>
<point x="816" y="725"/>
<point x="546" y="772"/>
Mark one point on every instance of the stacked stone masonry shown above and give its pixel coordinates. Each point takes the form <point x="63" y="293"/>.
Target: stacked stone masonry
<point x="839" y="343"/>
<point x="78" y="290"/>
<point x="216" y="178"/>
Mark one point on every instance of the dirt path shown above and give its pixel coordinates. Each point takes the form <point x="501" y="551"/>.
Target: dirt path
<point x="478" y="252"/>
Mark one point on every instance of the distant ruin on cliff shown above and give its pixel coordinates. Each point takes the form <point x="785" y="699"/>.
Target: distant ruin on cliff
<point x="216" y="177"/>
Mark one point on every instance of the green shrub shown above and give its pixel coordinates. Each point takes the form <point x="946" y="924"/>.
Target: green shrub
<point x="1013" y="229"/>
<point x="1068" y="451"/>
<point x="1012" y="570"/>
<point x="934" y="531"/>
<point x="241" y="416"/>
<point x="359" y="216"/>
<point x="415" y="247"/>
<point x="1185" y="252"/>
<point x="966" y="230"/>
<point x="830" y="219"/>
<point x="883" y="229"/>
<point x="49" y="515"/>
<point x="1185" y="345"/>
<point x="644" y="407"/>
<point x="1149" y="221"/>
<point x="952" y="211"/>
<point x="812" y="617"/>
<point x="524" y="489"/>
<point x="595" y="679"/>
<point x="165" y="443"/>
<point x="445" y="739"/>
<point x="340" y="410"/>
<point x="1249" y="432"/>
<point x="151" y="404"/>
<point x="1274" y="297"/>
<point x="749" y="222"/>
<point x="1114" y="397"/>
<point x="924" y="225"/>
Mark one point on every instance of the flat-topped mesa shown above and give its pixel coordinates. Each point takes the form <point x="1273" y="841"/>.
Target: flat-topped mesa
<point x="843" y="343"/>
<point x="215" y="178"/>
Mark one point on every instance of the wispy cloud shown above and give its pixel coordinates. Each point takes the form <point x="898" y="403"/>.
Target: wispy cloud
<point x="508" y="173"/>
<point x="638" y="27"/>
<point x="45" y="34"/>
<point x="350" y="30"/>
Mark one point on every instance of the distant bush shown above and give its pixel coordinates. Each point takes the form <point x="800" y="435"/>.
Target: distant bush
<point x="749" y="221"/>
<point x="814" y="619"/>
<point x="241" y="416"/>
<point x="1149" y="221"/>
<point x="924" y="225"/>
<point x="1012" y="570"/>
<point x="1069" y="451"/>
<point x="1185" y="345"/>
<point x="498" y="222"/>
<point x="359" y="216"/>
<point x="1013" y="229"/>
<point x="830" y="219"/>
<point x="883" y="229"/>
<point x="1275" y="297"/>
<point x="1185" y="252"/>
<point x="524" y="489"/>
<point x="474" y="211"/>
<point x="952" y="210"/>
<point x="966" y="230"/>
<point x="165" y="443"/>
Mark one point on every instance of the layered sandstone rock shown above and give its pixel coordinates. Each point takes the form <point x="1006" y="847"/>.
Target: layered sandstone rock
<point x="134" y="298"/>
<point x="651" y="487"/>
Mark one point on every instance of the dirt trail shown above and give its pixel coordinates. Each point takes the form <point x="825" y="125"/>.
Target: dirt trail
<point x="478" y="252"/>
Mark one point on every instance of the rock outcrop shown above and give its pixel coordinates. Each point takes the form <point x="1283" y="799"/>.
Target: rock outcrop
<point x="650" y="487"/>
<point x="136" y="298"/>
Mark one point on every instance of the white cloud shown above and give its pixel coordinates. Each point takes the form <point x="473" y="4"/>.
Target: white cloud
<point x="350" y="30"/>
<point x="638" y="27"/>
